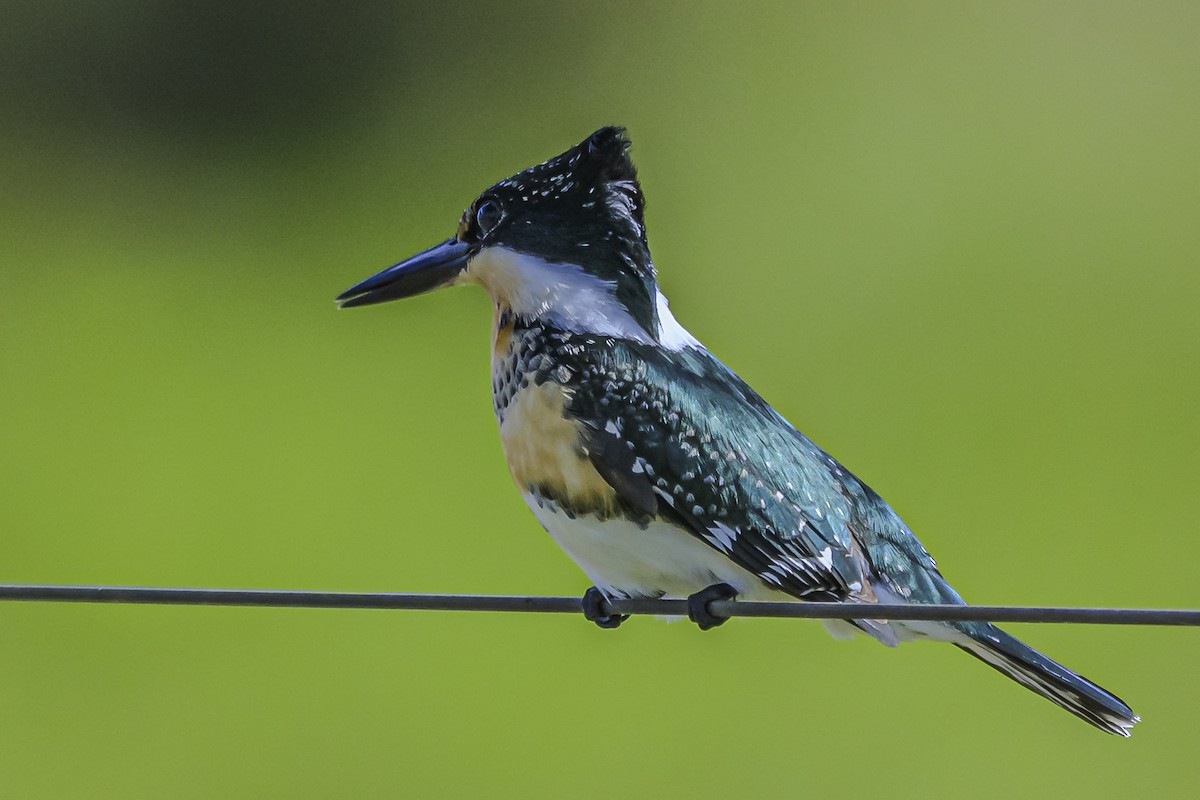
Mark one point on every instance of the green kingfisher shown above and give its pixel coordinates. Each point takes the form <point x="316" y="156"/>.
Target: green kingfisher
<point x="659" y="471"/>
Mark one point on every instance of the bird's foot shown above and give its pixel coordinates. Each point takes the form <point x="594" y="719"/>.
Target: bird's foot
<point x="593" y="604"/>
<point x="698" y="605"/>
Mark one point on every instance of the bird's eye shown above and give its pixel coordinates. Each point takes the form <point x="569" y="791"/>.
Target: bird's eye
<point x="487" y="216"/>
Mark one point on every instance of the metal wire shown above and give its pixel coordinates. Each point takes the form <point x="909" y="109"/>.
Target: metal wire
<point x="288" y="598"/>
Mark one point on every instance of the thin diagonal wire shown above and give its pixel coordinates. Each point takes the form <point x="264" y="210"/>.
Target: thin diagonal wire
<point x="288" y="598"/>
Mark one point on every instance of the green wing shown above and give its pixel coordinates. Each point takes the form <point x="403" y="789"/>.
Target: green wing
<point x="679" y="435"/>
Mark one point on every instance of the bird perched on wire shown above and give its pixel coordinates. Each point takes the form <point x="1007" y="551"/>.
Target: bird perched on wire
<point x="658" y="470"/>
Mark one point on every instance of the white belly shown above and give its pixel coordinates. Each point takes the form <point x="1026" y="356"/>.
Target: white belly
<point x="625" y="560"/>
<point x="660" y="560"/>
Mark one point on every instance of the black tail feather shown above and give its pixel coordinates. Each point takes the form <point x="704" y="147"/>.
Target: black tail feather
<point x="1059" y="685"/>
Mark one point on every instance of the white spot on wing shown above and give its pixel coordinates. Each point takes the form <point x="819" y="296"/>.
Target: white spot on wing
<point x="826" y="558"/>
<point x="722" y="535"/>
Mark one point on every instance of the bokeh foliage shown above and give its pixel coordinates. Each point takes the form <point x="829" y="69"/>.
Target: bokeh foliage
<point x="955" y="243"/>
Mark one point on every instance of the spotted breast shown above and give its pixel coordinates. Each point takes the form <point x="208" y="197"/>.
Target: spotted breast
<point x="623" y="545"/>
<point x="545" y="449"/>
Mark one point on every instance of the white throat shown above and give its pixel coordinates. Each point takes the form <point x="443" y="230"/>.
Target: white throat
<point x="566" y="296"/>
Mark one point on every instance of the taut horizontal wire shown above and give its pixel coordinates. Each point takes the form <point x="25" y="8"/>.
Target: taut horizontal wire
<point x="288" y="598"/>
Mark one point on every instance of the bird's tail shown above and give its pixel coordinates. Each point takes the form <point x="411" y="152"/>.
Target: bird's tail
<point x="1051" y="680"/>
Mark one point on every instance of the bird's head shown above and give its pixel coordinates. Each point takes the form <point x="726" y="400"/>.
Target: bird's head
<point x="563" y="241"/>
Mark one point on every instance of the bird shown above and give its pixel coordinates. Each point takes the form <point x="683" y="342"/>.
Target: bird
<point x="658" y="470"/>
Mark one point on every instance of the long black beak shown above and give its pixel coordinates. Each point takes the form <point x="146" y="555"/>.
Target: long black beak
<point x="428" y="269"/>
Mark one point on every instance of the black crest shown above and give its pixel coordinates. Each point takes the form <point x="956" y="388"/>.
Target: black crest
<point x="608" y="150"/>
<point x="595" y="181"/>
<point x="582" y="207"/>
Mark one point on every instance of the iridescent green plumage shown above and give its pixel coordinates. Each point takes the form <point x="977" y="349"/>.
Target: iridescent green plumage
<point x="680" y="435"/>
<point x="657" y="469"/>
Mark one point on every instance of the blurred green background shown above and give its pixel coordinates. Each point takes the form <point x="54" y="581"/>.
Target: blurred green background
<point x="956" y="244"/>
